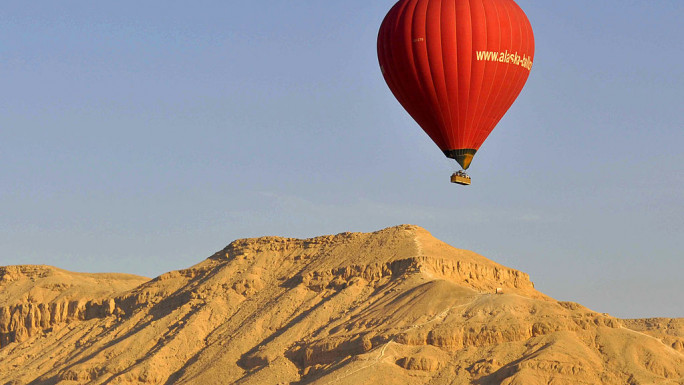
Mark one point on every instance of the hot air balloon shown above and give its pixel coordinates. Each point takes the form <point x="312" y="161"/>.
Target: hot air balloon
<point x="456" y="66"/>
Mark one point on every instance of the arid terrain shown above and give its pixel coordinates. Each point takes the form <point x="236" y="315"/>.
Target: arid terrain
<point x="392" y="307"/>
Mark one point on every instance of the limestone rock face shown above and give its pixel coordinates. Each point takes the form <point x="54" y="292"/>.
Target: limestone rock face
<point x="392" y="307"/>
<point x="35" y="299"/>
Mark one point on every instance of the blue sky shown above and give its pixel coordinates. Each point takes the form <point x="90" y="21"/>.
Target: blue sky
<point x="141" y="138"/>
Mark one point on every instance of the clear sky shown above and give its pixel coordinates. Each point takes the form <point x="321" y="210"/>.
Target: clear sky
<point x="141" y="137"/>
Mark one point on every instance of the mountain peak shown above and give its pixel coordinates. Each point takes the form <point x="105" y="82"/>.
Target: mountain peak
<point x="393" y="306"/>
<point x="394" y="251"/>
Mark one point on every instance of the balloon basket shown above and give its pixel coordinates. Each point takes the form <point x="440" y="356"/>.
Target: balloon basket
<point x="461" y="178"/>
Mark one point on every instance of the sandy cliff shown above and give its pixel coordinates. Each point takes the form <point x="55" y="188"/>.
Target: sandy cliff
<point x="392" y="307"/>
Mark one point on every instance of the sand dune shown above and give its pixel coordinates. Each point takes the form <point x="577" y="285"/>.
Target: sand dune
<point x="392" y="307"/>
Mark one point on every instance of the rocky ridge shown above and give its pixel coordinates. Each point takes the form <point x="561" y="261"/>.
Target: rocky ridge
<point x="396" y="306"/>
<point x="34" y="299"/>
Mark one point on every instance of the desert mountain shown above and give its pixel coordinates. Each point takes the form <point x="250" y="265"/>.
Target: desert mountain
<point x="392" y="307"/>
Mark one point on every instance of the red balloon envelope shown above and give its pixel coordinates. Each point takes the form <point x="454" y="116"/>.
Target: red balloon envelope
<point x="456" y="66"/>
